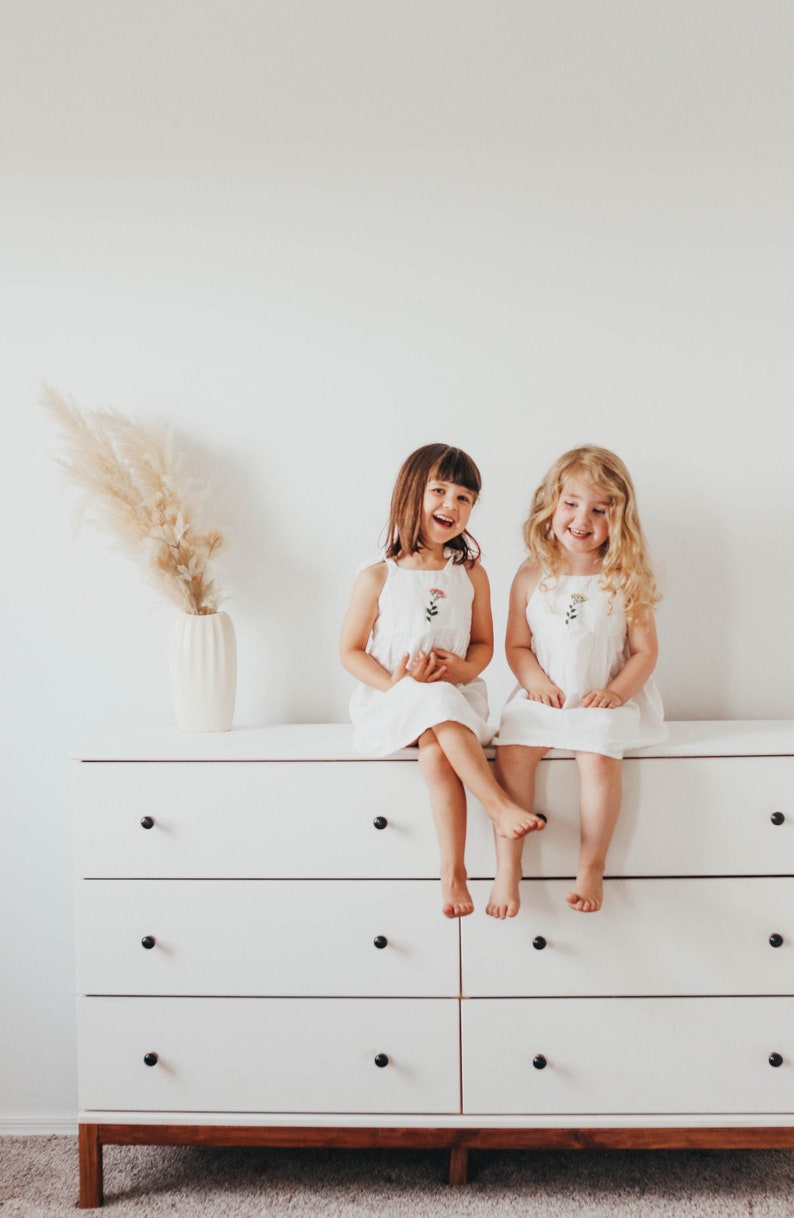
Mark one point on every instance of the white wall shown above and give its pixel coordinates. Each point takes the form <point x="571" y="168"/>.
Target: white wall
<point x="312" y="236"/>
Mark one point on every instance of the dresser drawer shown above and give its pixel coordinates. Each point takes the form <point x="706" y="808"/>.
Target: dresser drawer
<point x="695" y="936"/>
<point x="269" y="1055"/>
<point x="628" y="1055"/>
<point x="265" y="937"/>
<point x="679" y="816"/>
<point x="252" y="819"/>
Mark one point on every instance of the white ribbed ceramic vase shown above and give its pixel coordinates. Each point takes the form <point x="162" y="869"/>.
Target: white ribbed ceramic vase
<point x="203" y="671"/>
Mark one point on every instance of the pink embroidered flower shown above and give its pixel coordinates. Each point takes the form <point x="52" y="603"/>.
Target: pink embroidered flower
<point x="436" y="594"/>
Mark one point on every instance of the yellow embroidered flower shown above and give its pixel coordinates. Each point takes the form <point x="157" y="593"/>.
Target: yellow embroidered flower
<point x="575" y="600"/>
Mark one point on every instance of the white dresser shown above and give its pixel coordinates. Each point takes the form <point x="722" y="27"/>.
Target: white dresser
<point x="262" y="959"/>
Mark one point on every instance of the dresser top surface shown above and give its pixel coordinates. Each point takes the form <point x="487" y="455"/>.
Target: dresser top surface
<point x="334" y="742"/>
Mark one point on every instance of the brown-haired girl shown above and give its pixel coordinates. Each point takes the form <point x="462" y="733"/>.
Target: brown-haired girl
<point x="581" y="641"/>
<point x="417" y="634"/>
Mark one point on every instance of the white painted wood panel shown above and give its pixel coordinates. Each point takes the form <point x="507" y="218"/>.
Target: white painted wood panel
<point x="693" y="936"/>
<point x="256" y="937"/>
<point x="334" y="742"/>
<point x="269" y="1055"/>
<point x="287" y="819"/>
<point x="265" y="820"/>
<point x="628" y="1055"/>
<point x="684" y="816"/>
<point x="266" y="879"/>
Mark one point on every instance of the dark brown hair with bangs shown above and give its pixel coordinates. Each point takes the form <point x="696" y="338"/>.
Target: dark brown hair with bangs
<point x="405" y="516"/>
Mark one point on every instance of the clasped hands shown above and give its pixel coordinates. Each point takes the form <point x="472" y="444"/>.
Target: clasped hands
<point x="429" y="666"/>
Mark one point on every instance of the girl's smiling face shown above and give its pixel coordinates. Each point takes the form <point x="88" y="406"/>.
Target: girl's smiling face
<point x="446" y="508"/>
<point x="581" y="522"/>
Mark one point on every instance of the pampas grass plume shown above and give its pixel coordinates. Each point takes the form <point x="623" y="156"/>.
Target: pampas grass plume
<point x="133" y="486"/>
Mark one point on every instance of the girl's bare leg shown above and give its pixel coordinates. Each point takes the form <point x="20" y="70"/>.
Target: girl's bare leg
<point x="515" y="768"/>
<point x="600" y="786"/>
<point x="464" y="753"/>
<point x="448" y="805"/>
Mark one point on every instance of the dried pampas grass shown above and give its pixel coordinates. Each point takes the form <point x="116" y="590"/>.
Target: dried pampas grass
<point x="133" y="486"/>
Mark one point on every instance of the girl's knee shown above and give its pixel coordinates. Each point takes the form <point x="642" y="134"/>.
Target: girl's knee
<point x="521" y="757"/>
<point x="432" y="760"/>
<point x="598" y="763"/>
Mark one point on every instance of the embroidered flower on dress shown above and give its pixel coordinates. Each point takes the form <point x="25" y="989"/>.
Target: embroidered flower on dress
<point x="436" y="594"/>
<point x="576" y="599"/>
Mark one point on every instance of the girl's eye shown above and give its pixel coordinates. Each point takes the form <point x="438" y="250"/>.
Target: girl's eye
<point x="600" y="511"/>
<point x="569" y="504"/>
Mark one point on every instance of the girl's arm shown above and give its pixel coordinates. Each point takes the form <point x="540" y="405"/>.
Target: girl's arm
<point x="479" y="653"/>
<point x="518" y="642"/>
<point x="357" y="627"/>
<point x="643" y="652"/>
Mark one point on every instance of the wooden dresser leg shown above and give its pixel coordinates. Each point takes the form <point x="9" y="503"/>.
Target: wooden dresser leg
<point x="91" y="1194"/>
<point x="458" y="1165"/>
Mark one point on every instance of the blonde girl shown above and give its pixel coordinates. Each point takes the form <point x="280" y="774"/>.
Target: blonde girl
<point x="581" y="641"/>
<point x="417" y="635"/>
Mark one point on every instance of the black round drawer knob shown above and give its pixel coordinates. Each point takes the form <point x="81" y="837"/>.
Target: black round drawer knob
<point x="542" y="816"/>
<point x="150" y="1059"/>
<point x="777" y="818"/>
<point x="539" y="1062"/>
<point x="775" y="940"/>
<point x="538" y="943"/>
<point x="148" y="941"/>
<point x="775" y="1059"/>
<point x="381" y="1060"/>
<point x="380" y="941"/>
<point x="147" y="822"/>
<point x="380" y="822"/>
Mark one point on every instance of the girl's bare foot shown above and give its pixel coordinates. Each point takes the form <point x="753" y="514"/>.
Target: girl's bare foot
<point x="588" y="894"/>
<point x="505" y="900"/>
<point x="456" y="897"/>
<point x="511" y="821"/>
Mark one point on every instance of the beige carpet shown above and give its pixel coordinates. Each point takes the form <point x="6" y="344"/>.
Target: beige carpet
<point x="38" y="1176"/>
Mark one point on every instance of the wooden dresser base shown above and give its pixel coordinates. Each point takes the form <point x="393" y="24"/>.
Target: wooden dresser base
<point x="457" y="1141"/>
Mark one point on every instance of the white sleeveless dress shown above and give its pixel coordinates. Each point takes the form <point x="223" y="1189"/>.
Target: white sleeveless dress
<point x="580" y="640"/>
<point x="419" y="610"/>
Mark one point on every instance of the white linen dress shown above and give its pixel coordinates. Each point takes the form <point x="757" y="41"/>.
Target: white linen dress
<point x="419" y="610"/>
<point x="580" y="639"/>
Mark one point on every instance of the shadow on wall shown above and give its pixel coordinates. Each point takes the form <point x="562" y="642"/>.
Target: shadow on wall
<point x="272" y="586"/>
<point x="700" y="579"/>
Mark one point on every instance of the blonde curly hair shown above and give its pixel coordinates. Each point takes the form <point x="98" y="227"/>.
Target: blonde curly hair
<point x="625" y="564"/>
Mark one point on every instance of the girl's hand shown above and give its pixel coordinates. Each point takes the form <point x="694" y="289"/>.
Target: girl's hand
<point x="400" y="671"/>
<point x="603" y="699"/>
<point x="425" y="667"/>
<point x="456" y="670"/>
<point x="544" y="690"/>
